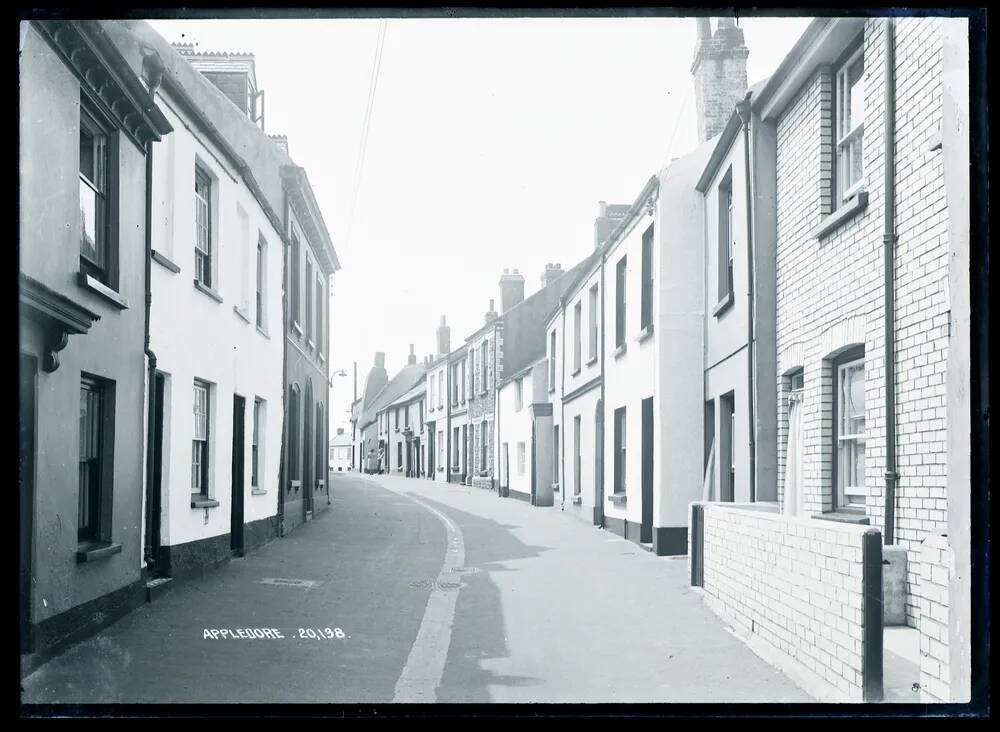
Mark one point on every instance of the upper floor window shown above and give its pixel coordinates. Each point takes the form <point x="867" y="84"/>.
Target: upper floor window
<point x="293" y="279"/>
<point x="518" y="395"/>
<point x="484" y="363"/>
<point x="309" y="301"/>
<point x="552" y="360"/>
<point x="726" y="251"/>
<point x="577" y="335"/>
<point x="646" y="306"/>
<point x="261" y="280"/>
<point x="203" y="227"/>
<point x="620" y="277"/>
<point x="319" y="314"/>
<point x="440" y="389"/>
<point x="850" y="124"/>
<point x="593" y="323"/>
<point x="95" y="209"/>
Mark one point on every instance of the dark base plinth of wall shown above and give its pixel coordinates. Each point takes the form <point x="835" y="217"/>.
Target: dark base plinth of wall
<point x="667" y="540"/>
<point x="54" y="635"/>
<point x="195" y="557"/>
<point x="526" y="497"/>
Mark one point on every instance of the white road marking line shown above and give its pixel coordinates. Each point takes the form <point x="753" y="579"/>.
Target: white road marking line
<point x="421" y="675"/>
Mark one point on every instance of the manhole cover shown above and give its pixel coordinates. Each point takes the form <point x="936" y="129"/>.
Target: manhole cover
<point x="424" y="584"/>
<point x="288" y="582"/>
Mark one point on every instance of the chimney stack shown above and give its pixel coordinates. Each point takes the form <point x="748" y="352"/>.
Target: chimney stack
<point x="233" y="74"/>
<point x="511" y="290"/>
<point x="608" y="218"/>
<point x="551" y="274"/>
<point x="412" y="358"/>
<point x="720" y="74"/>
<point x="444" y="338"/>
<point x="282" y="142"/>
<point x="491" y="314"/>
<point x="380" y="360"/>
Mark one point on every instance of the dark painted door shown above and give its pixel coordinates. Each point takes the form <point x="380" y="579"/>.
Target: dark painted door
<point x="236" y="518"/>
<point x="599" y="464"/>
<point x="430" y="453"/>
<point x="156" y="493"/>
<point x="646" y="527"/>
<point x="26" y="494"/>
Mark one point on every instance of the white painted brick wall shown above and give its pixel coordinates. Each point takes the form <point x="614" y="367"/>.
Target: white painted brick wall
<point x="795" y="583"/>
<point x="935" y="569"/>
<point x="831" y="288"/>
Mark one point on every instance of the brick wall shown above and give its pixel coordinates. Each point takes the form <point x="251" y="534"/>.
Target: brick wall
<point x="795" y="588"/>
<point x="935" y="564"/>
<point x="830" y="291"/>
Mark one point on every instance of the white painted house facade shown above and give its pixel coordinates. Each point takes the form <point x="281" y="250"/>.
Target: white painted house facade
<point x="215" y="327"/>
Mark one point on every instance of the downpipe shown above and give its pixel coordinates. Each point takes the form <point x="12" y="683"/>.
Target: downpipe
<point x="889" y="239"/>
<point x="743" y="109"/>
<point x="150" y="365"/>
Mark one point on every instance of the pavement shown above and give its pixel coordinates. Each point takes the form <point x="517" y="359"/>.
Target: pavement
<point x="413" y="590"/>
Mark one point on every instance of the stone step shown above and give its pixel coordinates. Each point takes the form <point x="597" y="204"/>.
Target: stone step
<point x="158" y="587"/>
<point x="648" y="546"/>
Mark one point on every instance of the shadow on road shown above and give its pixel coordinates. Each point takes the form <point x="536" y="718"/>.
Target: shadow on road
<point x="478" y="633"/>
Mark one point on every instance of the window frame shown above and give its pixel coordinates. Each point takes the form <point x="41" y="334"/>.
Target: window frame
<point x="552" y="359"/>
<point x="96" y="124"/>
<point x="577" y="336"/>
<point x="260" y="312"/>
<point x="845" y="138"/>
<point x="518" y="394"/>
<point x="847" y="360"/>
<point x="204" y="472"/>
<point x="620" y="453"/>
<point x="593" y="305"/>
<point x="255" y="463"/>
<point x="97" y="530"/>
<point x="725" y="246"/>
<point x="621" y="303"/>
<point x="577" y="454"/>
<point x="204" y="261"/>
<point x="646" y="303"/>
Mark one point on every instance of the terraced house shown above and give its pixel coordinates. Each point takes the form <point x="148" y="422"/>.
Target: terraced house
<point x="871" y="283"/>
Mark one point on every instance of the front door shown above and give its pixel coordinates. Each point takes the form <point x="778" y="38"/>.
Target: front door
<point x="26" y="475"/>
<point x="430" y="453"/>
<point x="155" y="495"/>
<point x="236" y="517"/>
<point x="646" y="527"/>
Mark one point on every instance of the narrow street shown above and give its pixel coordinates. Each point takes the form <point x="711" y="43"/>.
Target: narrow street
<point x="524" y="618"/>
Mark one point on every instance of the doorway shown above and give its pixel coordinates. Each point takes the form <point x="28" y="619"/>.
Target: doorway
<point x="236" y="515"/>
<point x="646" y="527"/>
<point x="26" y="494"/>
<point x="155" y="495"/>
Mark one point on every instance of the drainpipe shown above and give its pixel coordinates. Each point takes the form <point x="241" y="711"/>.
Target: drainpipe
<point x="889" y="247"/>
<point x="151" y="362"/>
<point x="743" y="108"/>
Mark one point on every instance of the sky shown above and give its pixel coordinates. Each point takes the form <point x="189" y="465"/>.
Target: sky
<point x="490" y="143"/>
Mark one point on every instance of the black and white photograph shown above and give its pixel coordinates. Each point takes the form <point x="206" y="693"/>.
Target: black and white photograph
<point x="426" y="361"/>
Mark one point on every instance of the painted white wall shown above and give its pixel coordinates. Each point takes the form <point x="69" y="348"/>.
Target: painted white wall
<point x="631" y="377"/>
<point x="514" y="430"/>
<point x="194" y="336"/>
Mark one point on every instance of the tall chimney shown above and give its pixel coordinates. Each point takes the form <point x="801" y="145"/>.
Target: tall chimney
<point x="380" y="360"/>
<point x="412" y="358"/>
<point x="511" y="290"/>
<point x="233" y="74"/>
<point x="282" y="142"/>
<point x="551" y="274"/>
<point x="491" y="314"/>
<point x="608" y="218"/>
<point x="720" y="74"/>
<point x="444" y="338"/>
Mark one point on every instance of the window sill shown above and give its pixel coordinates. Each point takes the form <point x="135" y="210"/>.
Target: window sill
<point x="577" y="500"/>
<point x="847" y="211"/>
<point x="203" y="288"/>
<point x="620" y="351"/>
<point x="99" y="288"/>
<point x="846" y="517"/>
<point x="165" y="262"/>
<point x="576" y="372"/>
<point x="592" y="361"/>
<point x="644" y="334"/>
<point x="257" y="492"/>
<point x="243" y="315"/>
<point x="619" y="499"/>
<point x="93" y="552"/>
<point x="723" y="305"/>
<point x="263" y="332"/>
<point x="199" y="501"/>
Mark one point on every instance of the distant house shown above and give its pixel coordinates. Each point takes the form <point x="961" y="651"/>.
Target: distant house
<point x="340" y="452"/>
